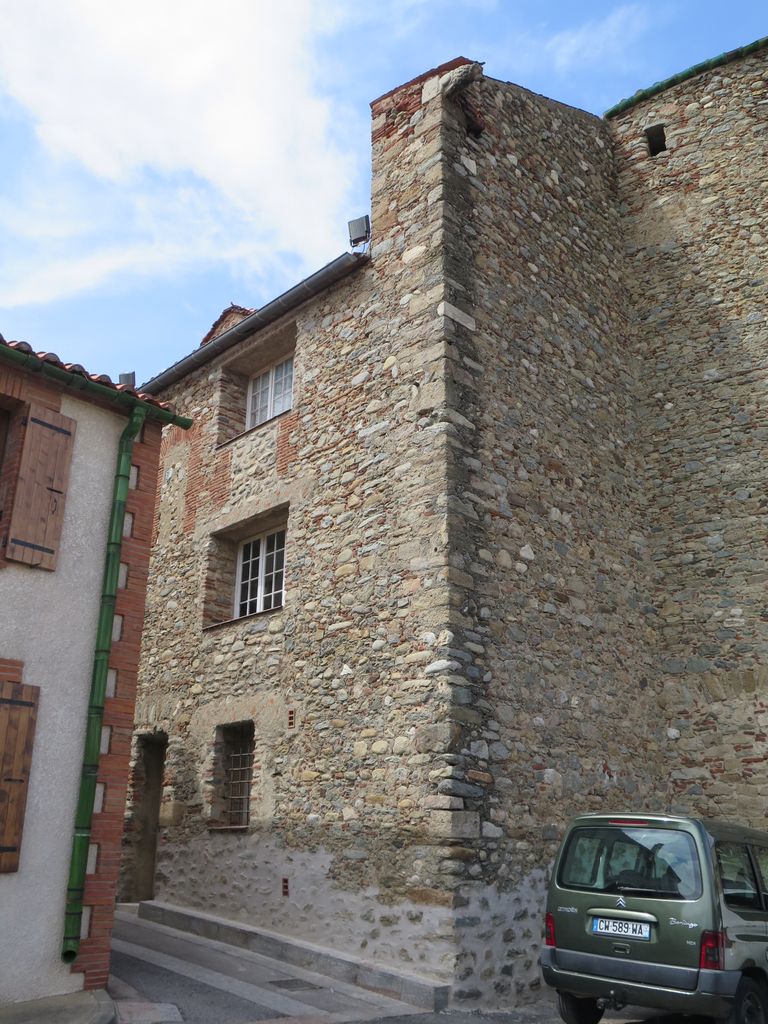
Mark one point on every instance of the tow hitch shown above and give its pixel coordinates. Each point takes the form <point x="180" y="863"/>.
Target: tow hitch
<point x="617" y="1000"/>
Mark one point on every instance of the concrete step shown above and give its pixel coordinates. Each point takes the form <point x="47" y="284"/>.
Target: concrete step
<point x="76" y="1008"/>
<point x="426" y="992"/>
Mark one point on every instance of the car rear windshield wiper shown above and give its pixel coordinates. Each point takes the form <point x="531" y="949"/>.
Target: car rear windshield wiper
<point x="644" y="890"/>
<point x="658" y="893"/>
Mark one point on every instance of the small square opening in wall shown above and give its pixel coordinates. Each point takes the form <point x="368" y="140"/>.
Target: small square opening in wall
<point x="128" y="525"/>
<point x="286" y="889"/>
<point x="291" y="719"/>
<point x="656" y="138"/>
<point x="98" y="799"/>
<point x="133" y="478"/>
<point x="117" y="628"/>
<point x="122" y="576"/>
<point x="85" y="923"/>
<point x="93" y="857"/>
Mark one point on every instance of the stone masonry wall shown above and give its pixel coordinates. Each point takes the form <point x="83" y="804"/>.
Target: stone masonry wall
<point x="524" y="504"/>
<point x="347" y="805"/>
<point x="554" y="623"/>
<point x="696" y="219"/>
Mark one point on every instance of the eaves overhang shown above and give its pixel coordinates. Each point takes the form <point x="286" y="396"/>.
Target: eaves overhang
<point x="683" y="76"/>
<point x="309" y="288"/>
<point x="88" y="385"/>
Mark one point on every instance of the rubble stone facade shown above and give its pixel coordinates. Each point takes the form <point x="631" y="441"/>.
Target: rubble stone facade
<point x="522" y="489"/>
<point x="696" y="224"/>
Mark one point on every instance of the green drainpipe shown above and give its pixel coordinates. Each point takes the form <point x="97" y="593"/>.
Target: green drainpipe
<point x="84" y="814"/>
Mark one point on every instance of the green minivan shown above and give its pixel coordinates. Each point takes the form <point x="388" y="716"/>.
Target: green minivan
<point x="659" y="911"/>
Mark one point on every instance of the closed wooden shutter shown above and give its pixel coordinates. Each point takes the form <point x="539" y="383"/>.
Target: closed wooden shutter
<point x="38" y="507"/>
<point x="18" y="714"/>
<point x="4" y="421"/>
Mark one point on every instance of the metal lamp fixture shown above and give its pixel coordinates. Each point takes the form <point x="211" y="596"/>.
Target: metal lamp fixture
<point x="359" y="231"/>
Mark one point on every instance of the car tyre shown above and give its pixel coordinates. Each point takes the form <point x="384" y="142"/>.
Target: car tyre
<point x="750" y="1004"/>
<point x="586" y="1011"/>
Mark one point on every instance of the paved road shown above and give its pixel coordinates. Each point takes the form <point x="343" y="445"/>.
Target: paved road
<point x="163" y="976"/>
<point x="179" y="998"/>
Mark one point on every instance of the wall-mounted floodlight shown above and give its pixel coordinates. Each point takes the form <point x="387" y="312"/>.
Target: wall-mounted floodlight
<point x="359" y="231"/>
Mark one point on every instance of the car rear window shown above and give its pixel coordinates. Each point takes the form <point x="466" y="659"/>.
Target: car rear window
<point x="656" y="862"/>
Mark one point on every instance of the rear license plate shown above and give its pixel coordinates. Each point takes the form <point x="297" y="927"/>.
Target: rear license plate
<point x="614" y="926"/>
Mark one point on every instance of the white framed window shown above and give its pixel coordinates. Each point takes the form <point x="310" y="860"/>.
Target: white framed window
<point x="270" y="393"/>
<point x="260" y="574"/>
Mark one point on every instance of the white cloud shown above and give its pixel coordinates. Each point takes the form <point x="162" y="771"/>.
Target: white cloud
<point x="598" y="40"/>
<point x="593" y="48"/>
<point x="168" y="135"/>
<point x="179" y="132"/>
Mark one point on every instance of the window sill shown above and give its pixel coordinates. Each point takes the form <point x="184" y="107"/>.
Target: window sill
<point x="242" y="618"/>
<point x="228" y="828"/>
<point x="251" y="430"/>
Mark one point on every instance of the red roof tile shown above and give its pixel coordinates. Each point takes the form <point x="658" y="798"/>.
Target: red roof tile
<point x="232" y="315"/>
<point x="77" y="369"/>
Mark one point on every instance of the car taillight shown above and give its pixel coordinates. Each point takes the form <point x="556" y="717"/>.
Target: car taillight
<point x="712" y="956"/>
<point x="549" y="930"/>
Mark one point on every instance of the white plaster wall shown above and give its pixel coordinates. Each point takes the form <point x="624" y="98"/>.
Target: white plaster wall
<point x="488" y="949"/>
<point x="240" y="877"/>
<point x="48" y="621"/>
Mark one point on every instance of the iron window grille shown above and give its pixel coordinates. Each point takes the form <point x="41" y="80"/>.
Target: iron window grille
<point x="260" y="574"/>
<point x="238" y="773"/>
<point x="270" y="393"/>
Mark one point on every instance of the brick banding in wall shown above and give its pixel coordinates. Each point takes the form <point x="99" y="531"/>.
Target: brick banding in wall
<point x="107" y="827"/>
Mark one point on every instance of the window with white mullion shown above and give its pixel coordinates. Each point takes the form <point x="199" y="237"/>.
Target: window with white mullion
<point x="260" y="574"/>
<point x="274" y="564"/>
<point x="270" y="393"/>
<point x="248" y="578"/>
<point x="260" y="390"/>
<point x="282" y="387"/>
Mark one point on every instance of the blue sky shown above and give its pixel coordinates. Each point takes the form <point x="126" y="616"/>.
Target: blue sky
<point x="164" y="158"/>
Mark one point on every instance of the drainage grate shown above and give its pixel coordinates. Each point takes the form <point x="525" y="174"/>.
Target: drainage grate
<point x="295" y="985"/>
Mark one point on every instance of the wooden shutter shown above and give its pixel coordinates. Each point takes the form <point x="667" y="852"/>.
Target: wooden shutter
<point x="18" y="714"/>
<point x="38" y="507"/>
<point x="4" y="421"/>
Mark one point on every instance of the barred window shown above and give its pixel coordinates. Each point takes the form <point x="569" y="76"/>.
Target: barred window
<point x="235" y="752"/>
<point x="270" y="393"/>
<point x="260" y="574"/>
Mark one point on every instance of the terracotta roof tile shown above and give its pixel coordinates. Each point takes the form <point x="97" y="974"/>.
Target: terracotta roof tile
<point x="78" y="370"/>
<point x="228" y="318"/>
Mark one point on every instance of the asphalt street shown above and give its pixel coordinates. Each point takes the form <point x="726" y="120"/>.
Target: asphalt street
<point x="164" y="976"/>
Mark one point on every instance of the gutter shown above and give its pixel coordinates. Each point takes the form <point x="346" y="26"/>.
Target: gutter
<point x="683" y="76"/>
<point x="128" y="400"/>
<point x="84" y="813"/>
<point x="309" y="288"/>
